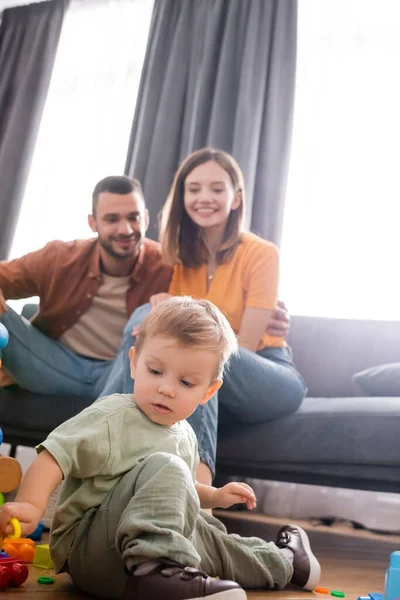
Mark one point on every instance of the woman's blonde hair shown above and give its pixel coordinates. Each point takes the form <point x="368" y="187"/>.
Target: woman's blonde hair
<point x="179" y="235"/>
<point x="192" y="323"/>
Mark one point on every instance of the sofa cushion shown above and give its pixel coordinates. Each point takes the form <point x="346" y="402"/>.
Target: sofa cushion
<point x="383" y="380"/>
<point x="350" y="438"/>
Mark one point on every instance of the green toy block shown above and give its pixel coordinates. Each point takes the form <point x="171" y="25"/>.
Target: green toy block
<point x="42" y="557"/>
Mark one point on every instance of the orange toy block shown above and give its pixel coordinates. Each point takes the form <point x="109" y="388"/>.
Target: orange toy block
<point x="21" y="549"/>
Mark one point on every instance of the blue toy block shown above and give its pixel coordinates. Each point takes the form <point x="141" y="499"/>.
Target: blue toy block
<point x="392" y="579"/>
<point x="36" y="536"/>
<point x="372" y="596"/>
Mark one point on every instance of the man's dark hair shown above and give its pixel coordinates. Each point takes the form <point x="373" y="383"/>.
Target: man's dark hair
<point x="115" y="184"/>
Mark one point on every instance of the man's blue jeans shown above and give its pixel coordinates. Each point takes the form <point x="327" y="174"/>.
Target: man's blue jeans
<point x="257" y="387"/>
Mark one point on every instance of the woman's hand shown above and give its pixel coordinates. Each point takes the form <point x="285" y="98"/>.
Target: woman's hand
<point x="155" y="300"/>
<point x="234" y="493"/>
<point x="27" y="514"/>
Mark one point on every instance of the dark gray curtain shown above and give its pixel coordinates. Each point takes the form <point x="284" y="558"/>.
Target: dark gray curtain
<point x="219" y="73"/>
<point x="29" y="38"/>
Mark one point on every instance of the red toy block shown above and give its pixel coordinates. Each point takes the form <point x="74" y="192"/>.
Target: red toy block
<point x="12" y="572"/>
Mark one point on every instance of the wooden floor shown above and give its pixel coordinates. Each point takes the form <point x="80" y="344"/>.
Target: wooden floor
<point x="353" y="562"/>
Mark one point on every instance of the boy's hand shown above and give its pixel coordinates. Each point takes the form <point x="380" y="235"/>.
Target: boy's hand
<point x="27" y="514"/>
<point x="235" y="493"/>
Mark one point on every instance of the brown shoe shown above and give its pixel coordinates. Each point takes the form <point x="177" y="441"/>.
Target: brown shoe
<point x="170" y="580"/>
<point x="306" y="568"/>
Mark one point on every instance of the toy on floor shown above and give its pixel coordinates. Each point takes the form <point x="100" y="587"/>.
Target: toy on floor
<point x="10" y="469"/>
<point x="36" y="536"/>
<point x="22" y="549"/>
<point x="372" y="596"/>
<point x="392" y="579"/>
<point x="12" y="572"/>
<point x="42" y="557"/>
<point x="45" y="580"/>
<point x="10" y="478"/>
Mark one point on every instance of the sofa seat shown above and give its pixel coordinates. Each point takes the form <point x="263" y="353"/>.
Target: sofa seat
<point x="346" y="442"/>
<point x="336" y="438"/>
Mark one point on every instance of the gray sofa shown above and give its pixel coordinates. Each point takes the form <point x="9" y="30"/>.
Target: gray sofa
<point x="336" y="438"/>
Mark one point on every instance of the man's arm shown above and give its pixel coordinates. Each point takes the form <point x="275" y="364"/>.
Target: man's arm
<point x="41" y="479"/>
<point x="23" y="277"/>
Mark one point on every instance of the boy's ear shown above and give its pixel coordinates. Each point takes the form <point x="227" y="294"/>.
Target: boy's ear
<point x="214" y="387"/>
<point x="132" y="359"/>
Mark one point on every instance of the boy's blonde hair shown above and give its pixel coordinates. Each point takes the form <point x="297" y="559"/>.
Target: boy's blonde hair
<point x="195" y="323"/>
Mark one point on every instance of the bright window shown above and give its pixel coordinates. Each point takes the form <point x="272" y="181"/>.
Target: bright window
<point x="87" y="119"/>
<point x="341" y="241"/>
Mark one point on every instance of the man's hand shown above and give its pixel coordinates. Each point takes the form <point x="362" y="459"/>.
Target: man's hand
<point x="3" y="305"/>
<point x="27" y="514"/>
<point x="155" y="300"/>
<point x="279" y="323"/>
<point x="234" y="493"/>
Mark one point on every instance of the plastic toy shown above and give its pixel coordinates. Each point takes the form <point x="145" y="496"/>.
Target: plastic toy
<point x="42" y="557"/>
<point x="22" y="549"/>
<point x="321" y="590"/>
<point x="12" y="572"/>
<point x="337" y="594"/>
<point x="36" y="536"/>
<point x="3" y="339"/>
<point x="392" y="579"/>
<point x="45" y="580"/>
<point x="372" y="596"/>
<point x="10" y="469"/>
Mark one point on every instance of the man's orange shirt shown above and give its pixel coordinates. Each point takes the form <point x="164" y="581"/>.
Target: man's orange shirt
<point x="249" y="279"/>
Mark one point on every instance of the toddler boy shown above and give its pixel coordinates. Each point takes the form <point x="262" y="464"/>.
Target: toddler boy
<point x="129" y="522"/>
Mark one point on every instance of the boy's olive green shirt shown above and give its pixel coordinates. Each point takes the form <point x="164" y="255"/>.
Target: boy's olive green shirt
<point x="98" y="447"/>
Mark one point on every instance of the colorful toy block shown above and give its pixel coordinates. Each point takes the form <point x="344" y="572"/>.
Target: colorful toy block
<point x="372" y="596"/>
<point x="42" y="557"/>
<point x="22" y="549"/>
<point x="12" y="572"/>
<point x="392" y="579"/>
<point x="36" y="536"/>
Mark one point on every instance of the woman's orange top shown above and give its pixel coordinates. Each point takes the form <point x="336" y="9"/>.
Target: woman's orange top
<point x="249" y="279"/>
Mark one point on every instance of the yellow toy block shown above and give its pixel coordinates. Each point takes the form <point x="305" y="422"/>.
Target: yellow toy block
<point x="42" y="557"/>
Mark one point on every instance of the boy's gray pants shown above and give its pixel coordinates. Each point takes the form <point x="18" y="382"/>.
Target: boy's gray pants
<point x="154" y="512"/>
